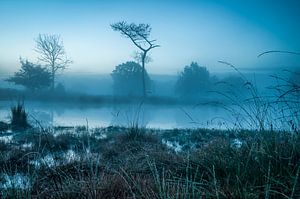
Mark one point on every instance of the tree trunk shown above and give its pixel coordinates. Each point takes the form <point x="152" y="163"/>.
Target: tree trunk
<point x="53" y="78"/>
<point x="143" y="74"/>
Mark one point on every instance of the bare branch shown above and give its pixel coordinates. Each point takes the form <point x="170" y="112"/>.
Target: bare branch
<point x="278" y="51"/>
<point x="52" y="53"/>
<point x="138" y="34"/>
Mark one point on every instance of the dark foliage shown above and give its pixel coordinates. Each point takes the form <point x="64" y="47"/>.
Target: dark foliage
<point x="19" y="119"/>
<point x="3" y="126"/>
<point x="31" y="76"/>
<point x="193" y="81"/>
<point x="127" y="79"/>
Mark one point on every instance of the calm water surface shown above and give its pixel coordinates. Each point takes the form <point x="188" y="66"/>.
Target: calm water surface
<point x="151" y="116"/>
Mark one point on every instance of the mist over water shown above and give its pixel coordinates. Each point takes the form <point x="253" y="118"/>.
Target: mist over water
<point x="149" y="99"/>
<point x="150" y="116"/>
<point x="226" y="102"/>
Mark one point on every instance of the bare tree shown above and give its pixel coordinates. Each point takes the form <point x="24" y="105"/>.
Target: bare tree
<point x="52" y="52"/>
<point x="139" y="34"/>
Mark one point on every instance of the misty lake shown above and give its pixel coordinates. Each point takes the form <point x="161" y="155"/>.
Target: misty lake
<point x="104" y="115"/>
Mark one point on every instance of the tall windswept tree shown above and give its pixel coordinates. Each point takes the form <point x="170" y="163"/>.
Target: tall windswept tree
<point x="52" y="53"/>
<point x="139" y="34"/>
<point x="127" y="77"/>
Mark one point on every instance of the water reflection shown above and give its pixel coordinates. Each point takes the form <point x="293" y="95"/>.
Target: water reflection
<point x="143" y="115"/>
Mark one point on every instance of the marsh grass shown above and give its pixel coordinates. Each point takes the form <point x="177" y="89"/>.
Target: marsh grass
<point x="288" y="99"/>
<point x="250" y="110"/>
<point x="3" y="127"/>
<point x="19" y="117"/>
<point x="265" y="165"/>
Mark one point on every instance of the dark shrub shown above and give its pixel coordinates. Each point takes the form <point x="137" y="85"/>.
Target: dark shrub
<point x="3" y="126"/>
<point x="19" y="119"/>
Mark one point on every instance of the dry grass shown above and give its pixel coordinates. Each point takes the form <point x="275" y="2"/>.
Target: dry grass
<point x="134" y="164"/>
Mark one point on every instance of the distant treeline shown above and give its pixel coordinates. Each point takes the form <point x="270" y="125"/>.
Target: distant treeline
<point x="193" y="83"/>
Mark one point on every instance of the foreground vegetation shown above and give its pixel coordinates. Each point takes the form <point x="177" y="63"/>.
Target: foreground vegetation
<point x="117" y="162"/>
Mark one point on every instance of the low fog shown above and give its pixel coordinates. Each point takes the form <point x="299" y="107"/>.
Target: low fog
<point x="162" y="85"/>
<point x="149" y="99"/>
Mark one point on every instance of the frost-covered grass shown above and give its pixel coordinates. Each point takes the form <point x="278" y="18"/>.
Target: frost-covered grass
<point x="118" y="162"/>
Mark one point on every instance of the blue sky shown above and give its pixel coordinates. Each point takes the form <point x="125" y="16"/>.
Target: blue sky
<point x="203" y="31"/>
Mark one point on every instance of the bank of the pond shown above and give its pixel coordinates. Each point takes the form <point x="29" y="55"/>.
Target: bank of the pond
<point x="119" y="162"/>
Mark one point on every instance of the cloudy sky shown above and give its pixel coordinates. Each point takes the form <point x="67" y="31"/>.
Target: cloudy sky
<point x="203" y="31"/>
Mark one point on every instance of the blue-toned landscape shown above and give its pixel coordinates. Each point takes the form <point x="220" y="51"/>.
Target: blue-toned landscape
<point x="150" y="99"/>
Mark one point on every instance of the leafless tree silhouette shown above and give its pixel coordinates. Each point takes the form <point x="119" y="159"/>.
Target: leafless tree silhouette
<point x="52" y="52"/>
